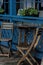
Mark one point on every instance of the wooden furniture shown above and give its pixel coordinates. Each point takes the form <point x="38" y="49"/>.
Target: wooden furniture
<point x="26" y="47"/>
<point x="6" y="26"/>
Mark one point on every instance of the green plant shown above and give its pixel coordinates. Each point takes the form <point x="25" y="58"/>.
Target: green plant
<point x="31" y="12"/>
<point x="21" y="12"/>
<point x="35" y="12"/>
<point x="1" y="10"/>
<point x="28" y="12"/>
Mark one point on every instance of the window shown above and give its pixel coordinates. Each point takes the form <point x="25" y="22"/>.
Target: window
<point x="17" y="5"/>
<point x="5" y="6"/>
<point x="21" y="4"/>
<point x="39" y="4"/>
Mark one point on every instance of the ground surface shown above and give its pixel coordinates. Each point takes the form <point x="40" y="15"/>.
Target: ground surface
<point x="12" y="60"/>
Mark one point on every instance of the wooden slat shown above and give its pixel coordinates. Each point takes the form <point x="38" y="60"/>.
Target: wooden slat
<point x="2" y="39"/>
<point x="6" y="28"/>
<point x="23" y="48"/>
<point x="4" y="55"/>
<point x="6" y="25"/>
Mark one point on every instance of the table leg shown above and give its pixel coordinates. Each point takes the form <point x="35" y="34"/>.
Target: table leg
<point x="10" y="45"/>
<point x="23" y="58"/>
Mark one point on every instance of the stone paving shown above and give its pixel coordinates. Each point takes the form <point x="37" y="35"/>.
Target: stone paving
<point x="11" y="61"/>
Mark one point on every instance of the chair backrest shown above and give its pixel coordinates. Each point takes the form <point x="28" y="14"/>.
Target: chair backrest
<point x="7" y="26"/>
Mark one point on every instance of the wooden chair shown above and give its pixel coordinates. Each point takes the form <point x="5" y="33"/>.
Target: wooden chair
<point x="6" y="26"/>
<point x="27" y="48"/>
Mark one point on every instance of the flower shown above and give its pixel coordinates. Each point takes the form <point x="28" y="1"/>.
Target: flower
<point x="21" y="12"/>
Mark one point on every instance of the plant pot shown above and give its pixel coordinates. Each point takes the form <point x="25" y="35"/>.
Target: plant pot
<point x="36" y="15"/>
<point x="33" y="15"/>
<point x="2" y="12"/>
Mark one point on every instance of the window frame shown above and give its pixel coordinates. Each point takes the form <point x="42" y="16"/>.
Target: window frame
<point x="38" y="5"/>
<point x="5" y="6"/>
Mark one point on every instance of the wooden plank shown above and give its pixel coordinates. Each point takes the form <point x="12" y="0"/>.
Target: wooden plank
<point x="4" y="54"/>
<point x="23" y="48"/>
<point x="7" y="25"/>
<point x="2" y="39"/>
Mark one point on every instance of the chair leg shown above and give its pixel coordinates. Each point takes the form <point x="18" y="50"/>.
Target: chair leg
<point x="33" y="59"/>
<point x="1" y="50"/>
<point x="37" y="41"/>
<point x="23" y="58"/>
<point x="38" y="60"/>
<point x="10" y="52"/>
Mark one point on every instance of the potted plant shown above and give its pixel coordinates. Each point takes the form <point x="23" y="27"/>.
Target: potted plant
<point x="28" y="12"/>
<point x="31" y="12"/>
<point x="1" y="11"/>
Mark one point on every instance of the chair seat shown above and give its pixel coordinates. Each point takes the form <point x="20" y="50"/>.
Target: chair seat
<point x="24" y="46"/>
